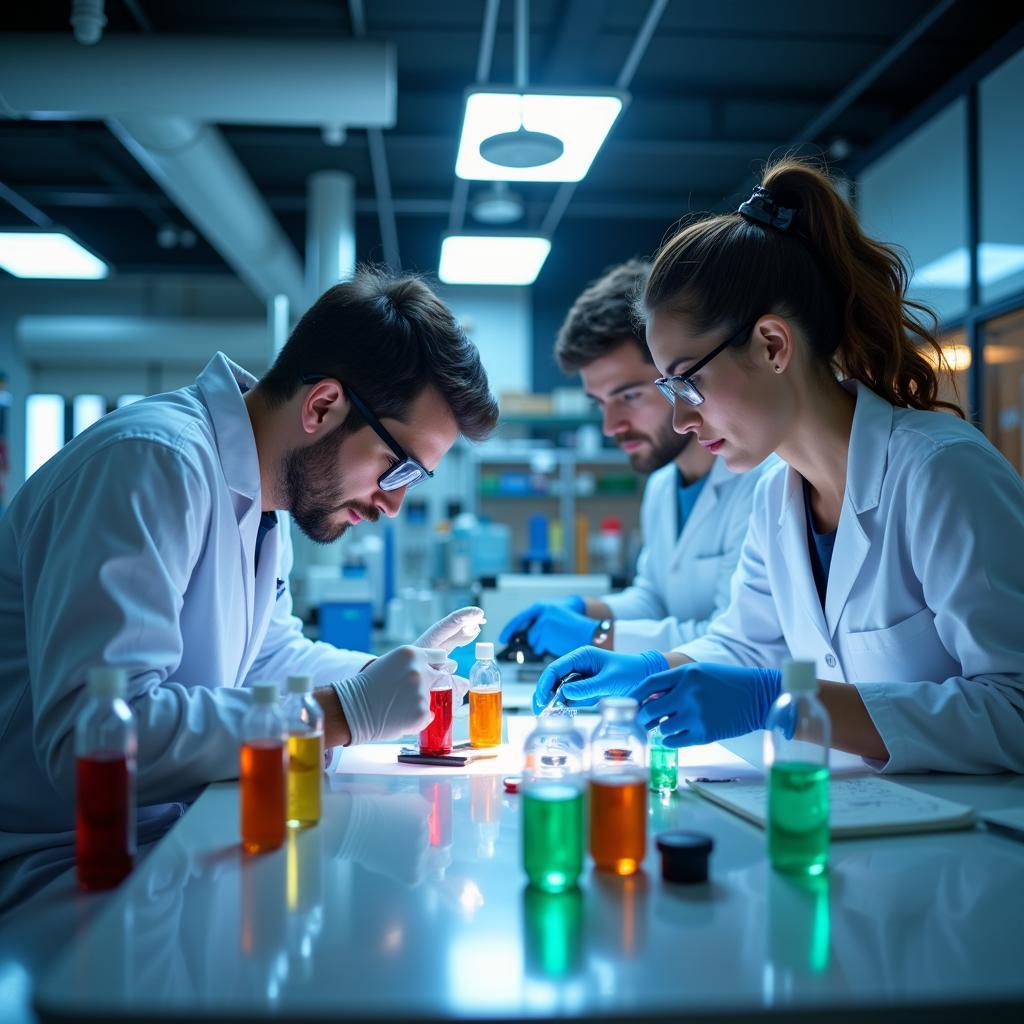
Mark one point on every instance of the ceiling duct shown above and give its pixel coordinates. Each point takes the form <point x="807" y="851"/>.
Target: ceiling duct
<point x="166" y="116"/>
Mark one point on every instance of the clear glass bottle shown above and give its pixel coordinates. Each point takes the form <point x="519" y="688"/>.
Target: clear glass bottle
<point x="436" y="738"/>
<point x="264" y="766"/>
<point x="552" y="792"/>
<point x="105" y="752"/>
<point x="618" y="788"/>
<point x="664" y="763"/>
<point x="796" y="744"/>
<point x="304" y="722"/>
<point x="485" y="699"/>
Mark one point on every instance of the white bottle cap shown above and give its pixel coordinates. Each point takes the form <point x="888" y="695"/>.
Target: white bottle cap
<point x="485" y="651"/>
<point x="300" y="684"/>
<point x="437" y="657"/>
<point x="799" y="676"/>
<point x="264" y="692"/>
<point x="108" y="682"/>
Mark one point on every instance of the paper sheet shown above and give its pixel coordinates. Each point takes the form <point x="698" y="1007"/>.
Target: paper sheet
<point x="382" y="758"/>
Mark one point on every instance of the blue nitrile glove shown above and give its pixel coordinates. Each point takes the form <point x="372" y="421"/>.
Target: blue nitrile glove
<point x="707" y="702"/>
<point x="609" y="674"/>
<point x="552" y="627"/>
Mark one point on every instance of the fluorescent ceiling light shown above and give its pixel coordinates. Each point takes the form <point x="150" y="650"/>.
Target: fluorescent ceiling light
<point x="996" y="260"/>
<point x="492" y="259"/>
<point x="579" y="121"/>
<point x="48" y="254"/>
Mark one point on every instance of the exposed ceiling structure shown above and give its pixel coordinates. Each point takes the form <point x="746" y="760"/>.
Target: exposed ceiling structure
<point x="184" y="139"/>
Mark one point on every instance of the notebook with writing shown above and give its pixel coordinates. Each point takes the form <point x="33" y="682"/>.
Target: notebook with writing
<point x="863" y="805"/>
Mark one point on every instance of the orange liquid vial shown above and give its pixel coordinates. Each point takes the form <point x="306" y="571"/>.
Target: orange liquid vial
<point x="485" y="718"/>
<point x="618" y="823"/>
<point x="263" y="773"/>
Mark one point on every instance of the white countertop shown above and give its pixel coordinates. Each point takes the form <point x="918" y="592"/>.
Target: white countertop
<point x="408" y="902"/>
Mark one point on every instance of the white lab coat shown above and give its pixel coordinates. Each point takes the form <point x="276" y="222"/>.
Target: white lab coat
<point x="924" y="611"/>
<point x="682" y="579"/>
<point x="134" y="547"/>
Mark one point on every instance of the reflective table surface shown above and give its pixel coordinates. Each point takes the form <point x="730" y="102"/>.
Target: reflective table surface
<point x="408" y="902"/>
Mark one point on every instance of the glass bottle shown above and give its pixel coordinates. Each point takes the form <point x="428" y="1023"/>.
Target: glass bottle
<point x="618" y="788"/>
<point x="263" y="771"/>
<point x="304" y="722"/>
<point x="436" y="738"/>
<point x="552" y="792"/>
<point x="105" y="750"/>
<point x="664" y="763"/>
<point x="796" y="744"/>
<point x="485" y="699"/>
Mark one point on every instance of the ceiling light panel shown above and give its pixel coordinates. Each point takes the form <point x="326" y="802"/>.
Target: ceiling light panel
<point x="49" y="254"/>
<point x="492" y="259"/>
<point x="580" y="121"/>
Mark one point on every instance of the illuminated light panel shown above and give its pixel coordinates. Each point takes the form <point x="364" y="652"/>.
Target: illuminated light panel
<point x="50" y="254"/>
<point x="492" y="259"/>
<point x="581" y="121"/>
<point x="955" y="358"/>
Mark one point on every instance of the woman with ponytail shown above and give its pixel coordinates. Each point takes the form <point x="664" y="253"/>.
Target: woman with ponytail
<point x="888" y="543"/>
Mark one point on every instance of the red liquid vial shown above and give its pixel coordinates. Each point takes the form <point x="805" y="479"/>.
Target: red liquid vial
<point x="105" y="782"/>
<point x="263" y="772"/>
<point x="263" y="795"/>
<point x="437" y="737"/>
<point x="104" y="821"/>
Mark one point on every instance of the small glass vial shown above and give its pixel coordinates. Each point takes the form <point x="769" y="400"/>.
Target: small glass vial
<point x="436" y="738"/>
<point x="485" y="699"/>
<point x="618" y="788"/>
<point x="263" y="771"/>
<point x="304" y="722"/>
<point x="105" y="751"/>
<point x="664" y="764"/>
<point x="552" y="791"/>
<point x="796" y="744"/>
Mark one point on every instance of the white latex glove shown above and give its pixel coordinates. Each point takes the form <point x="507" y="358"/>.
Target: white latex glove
<point x="455" y="630"/>
<point x="389" y="698"/>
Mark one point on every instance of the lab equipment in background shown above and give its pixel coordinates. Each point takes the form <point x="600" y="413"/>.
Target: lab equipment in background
<point x="618" y="788"/>
<point x="492" y="549"/>
<point x="664" y="763"/>
<point x="552" y="792"/>
<point x="436" y="738"/>
<point x="798" y="734"/>
<point x="347" y="624"/>
<point x="581" y="542"/>
<point x="607" y="547"/>
<point x="415" y="545"/>
<point x="537" y="558"/>
<point x="518" y="651"/>
<point x="263" y="771"/>
<point x="105" y="750"/>
<point x="485" y="699"/>
<point x="304" y="722"/>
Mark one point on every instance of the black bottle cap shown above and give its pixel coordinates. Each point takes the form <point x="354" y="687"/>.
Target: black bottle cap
<point x="684" y="856"/>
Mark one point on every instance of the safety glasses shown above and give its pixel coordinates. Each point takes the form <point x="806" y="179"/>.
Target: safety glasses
<point x="407" y="471"/>
<point x="679" y="385"/>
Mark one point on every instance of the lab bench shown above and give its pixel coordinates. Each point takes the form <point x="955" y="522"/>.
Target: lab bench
<point x="408" y="903"/>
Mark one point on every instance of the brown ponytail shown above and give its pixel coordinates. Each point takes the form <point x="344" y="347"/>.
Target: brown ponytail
<point x="847" y="291"/>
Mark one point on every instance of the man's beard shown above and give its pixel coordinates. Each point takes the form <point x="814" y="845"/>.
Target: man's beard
<point x="315" y="489"/>
<point x="665" y="446"/>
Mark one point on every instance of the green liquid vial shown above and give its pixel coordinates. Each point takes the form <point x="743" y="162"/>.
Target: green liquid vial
<point x="798" y="806"/>
<point x="553" y="835"/>
<point x="664" y="766"/>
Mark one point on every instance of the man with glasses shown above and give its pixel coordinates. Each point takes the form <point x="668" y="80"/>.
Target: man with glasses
<point x="152" y="543"/>
<point x="694" y="512"/>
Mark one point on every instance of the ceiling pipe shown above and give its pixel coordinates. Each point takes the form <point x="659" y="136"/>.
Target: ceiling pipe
<point x="291" y="82"/>
<point x="193" y="164"/>
<point x="88" y="21"/>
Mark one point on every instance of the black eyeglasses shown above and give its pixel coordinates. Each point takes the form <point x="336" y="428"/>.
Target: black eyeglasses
<point x="679" y="385"/>
<point x="407" y="472"/>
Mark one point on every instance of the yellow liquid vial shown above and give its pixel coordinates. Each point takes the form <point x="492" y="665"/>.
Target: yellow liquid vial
<point x="305" y="771"/>
<point x="485" y="718"/>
